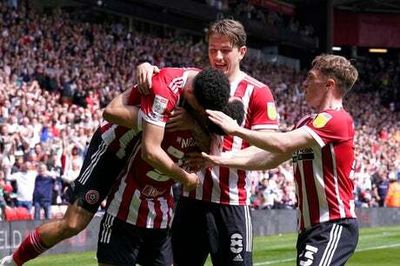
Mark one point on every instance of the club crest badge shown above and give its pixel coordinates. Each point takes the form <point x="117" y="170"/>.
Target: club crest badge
<point x="92" y="197"/>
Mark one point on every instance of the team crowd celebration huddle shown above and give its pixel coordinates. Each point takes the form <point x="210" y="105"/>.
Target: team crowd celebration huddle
<point x="176" y="140"/>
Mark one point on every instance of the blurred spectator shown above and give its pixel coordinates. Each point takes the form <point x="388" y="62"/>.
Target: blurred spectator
<point x="43" y="192"/>
<point x="393" y="195"/>
<point x="25" y="184"/>
<point x="381" y="188"/>
<point x="3" y="202"/>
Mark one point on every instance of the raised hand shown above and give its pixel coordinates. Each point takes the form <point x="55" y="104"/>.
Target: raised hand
<point x="179" y="120"/>
<point x="212" y="159"/>
<point x="144" y="73"/>
<point x="194" y="162"/>
<point x="229" y="125"/>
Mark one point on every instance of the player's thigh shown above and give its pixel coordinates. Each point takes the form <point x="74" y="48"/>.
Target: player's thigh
<point x="190" y="245"/>
<point x="232" y="235"/>
<point x="331" y="243"/>
<point x="98" y="174"/>
<point x="118" y="243"/>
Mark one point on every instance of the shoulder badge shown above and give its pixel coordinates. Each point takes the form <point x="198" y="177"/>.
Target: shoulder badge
<point x="271" y="111"/>
<point x="321" y="120"/>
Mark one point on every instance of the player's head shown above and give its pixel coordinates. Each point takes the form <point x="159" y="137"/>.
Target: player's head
<point x="328" y="72"/>
<point x="210" y="90"/>
<point x="226" y="45"/>
<point x="337" y="68"/>
<point x="234" y="109"/>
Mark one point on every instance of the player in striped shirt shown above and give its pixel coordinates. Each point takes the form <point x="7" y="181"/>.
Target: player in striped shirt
<point x="219" y="207"/>
<point x="107" y="154"/>
<point x="322" y="150"/>
<point x="139" y="213"/>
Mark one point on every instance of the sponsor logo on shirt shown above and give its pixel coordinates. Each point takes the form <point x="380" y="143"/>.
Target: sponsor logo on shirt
<point x="152" y="192"/>
<point x="303" y="154"/>
<point x="321" y="120"/>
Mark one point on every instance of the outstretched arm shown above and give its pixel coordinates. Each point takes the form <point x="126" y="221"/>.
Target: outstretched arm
<point x="251" y="158"/>
<point x="275" y="142"/>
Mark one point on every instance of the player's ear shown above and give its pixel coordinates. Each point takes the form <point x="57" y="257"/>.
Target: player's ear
<point x="330" y="83"/>
<point x="242" y="52"/>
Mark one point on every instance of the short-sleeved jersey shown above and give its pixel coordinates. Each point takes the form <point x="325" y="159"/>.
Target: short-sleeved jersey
<point x="143" y="195"/>
<point x="119" y="138"/>
<point x="323" y="172"/>
<point x="167" y="88"/>
<point x="232" y="186"/>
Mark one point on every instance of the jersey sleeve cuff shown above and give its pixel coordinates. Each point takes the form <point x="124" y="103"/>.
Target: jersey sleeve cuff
<point x="319" y="140"/>
<point x="149" y="120"/>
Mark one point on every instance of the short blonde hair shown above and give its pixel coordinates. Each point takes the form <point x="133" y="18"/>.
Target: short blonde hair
<point x="338" y="68"/>
<point x="230" y="28"/>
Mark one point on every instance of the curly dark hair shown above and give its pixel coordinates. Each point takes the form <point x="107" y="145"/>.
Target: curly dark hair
<point x="234" y="109"/>
<point x="211" y="89"/>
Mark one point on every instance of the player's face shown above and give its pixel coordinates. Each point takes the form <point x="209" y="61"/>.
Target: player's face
<point x="224" y="56"/>
<point x="192" y="101"/>
<point x="314" y="87"/>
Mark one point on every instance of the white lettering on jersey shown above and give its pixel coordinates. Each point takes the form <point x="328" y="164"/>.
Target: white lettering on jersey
<point x="187" y="142"/>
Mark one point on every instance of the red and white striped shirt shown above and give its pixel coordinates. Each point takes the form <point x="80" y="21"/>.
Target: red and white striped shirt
<point x="231" y="186"/>
<point x="118" y="138"/>
<point x="167" y="88"/>
<point x="143" y="196"/>
<point x="322" y="172"/>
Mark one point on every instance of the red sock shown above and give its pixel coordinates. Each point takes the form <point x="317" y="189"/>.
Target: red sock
<point x="30" y="248"/>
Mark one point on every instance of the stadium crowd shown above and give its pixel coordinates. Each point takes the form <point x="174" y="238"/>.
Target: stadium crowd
<point x="57" y="72"/>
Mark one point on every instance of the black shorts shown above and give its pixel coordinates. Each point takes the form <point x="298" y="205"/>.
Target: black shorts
<point x="121" y="243"/>
<point x="200" y="228"/>
<point x="329" y="243"/>
<point x="100" y="169"/>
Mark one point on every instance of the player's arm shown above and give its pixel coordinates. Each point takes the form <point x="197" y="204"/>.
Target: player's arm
<point x="153" y="154"/>
<point x="251" y="158"/>
<point x="119" y="112"/>
<point x="275" y="142"/>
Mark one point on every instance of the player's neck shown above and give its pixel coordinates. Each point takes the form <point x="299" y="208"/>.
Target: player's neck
<point x="331" y="105"/>
<point x="236" y="76"/>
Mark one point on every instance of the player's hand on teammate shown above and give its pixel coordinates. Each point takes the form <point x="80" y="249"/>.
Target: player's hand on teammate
<point x="144" y="73"/>
<point x="192" y="181"/>
<point x="194" y="161"/>
<point x="229" y="125"/>
<point x="179" y="120"/>
<point x="212" y="159"/>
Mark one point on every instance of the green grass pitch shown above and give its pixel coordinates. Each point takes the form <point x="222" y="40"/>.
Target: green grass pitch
<point x="377" y="246"/>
